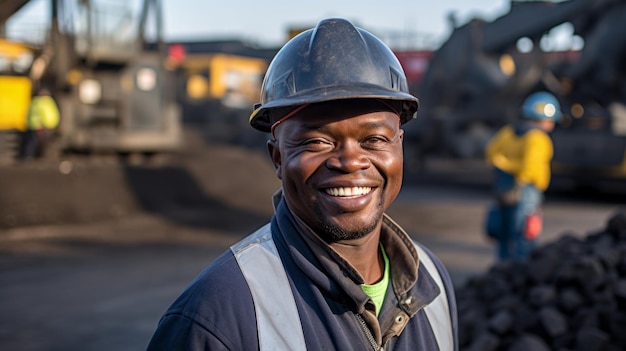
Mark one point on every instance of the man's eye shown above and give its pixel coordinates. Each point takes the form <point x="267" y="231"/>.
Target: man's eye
<point x="374" y="140"/>
<point x="316" y="143"/>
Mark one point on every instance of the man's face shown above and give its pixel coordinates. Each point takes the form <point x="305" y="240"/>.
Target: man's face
<point x="340" y="165"/>
<point x="546" y="125"/>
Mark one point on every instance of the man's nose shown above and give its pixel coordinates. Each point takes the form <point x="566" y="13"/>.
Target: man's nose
<point x="348" y="157"/>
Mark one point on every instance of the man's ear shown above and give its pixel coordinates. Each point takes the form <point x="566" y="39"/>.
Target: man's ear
<point x="274" y="151"/>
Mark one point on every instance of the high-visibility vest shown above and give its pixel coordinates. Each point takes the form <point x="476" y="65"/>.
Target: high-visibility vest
<point x="43" y="113"/>
<point x="278" y="322"/>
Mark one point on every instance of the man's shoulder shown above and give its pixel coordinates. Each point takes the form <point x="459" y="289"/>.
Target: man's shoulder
<point x="433" y="263"/>
<point x="222" y="279"/>
<point x="218" y="299"/>
<point x="425" y="254"/>
<point x="219" y="286"/>
<point x="537" y="135"/>
<point x="213" y="310"/>
<point x="505" y="131"/>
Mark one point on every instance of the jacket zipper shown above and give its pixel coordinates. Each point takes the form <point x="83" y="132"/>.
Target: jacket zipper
<point x="368" y="334"/>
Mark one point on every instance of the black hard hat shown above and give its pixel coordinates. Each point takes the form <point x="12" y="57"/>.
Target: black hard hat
<point x="332" y="61"/>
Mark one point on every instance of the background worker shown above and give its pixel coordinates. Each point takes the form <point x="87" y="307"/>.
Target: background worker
<point x="43" y="118"/>
<point x="331" y="271"/>
<point x="521" y="154"/>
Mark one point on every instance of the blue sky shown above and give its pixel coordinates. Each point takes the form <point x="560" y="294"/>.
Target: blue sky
<point x="416" y="23"/>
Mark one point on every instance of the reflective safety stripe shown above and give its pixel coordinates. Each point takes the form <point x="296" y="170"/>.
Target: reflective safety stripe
<point x="278" y="321"/>
<point x="438" y="311"/>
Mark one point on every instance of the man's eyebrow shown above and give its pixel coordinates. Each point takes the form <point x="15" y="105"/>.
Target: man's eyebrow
<point x="376" y="125"/>
<point x="368" y="124"/>
<point x="307" y="127"/>
<point x="304" y="126"/>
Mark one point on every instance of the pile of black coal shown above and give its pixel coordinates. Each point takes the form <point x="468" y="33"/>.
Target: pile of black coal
<point x="570" y="295"/>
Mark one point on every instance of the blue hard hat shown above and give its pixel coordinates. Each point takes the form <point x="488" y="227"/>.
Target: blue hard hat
<point x="542" y="106"/>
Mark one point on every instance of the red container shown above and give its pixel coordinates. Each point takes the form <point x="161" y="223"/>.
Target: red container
<point x="534" y="224"/>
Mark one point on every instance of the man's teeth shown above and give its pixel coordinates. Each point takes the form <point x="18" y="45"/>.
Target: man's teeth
<point x="353" y="191"/>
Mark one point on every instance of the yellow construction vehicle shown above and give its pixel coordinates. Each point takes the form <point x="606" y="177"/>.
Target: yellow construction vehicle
<point x="233" y="79"/>
<point x="15" y="95"/>
<point x="217" y="88"/>
<point x="110" y="81"/>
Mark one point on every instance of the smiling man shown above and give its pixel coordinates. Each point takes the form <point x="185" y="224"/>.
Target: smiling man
<point x="331" y="271"/>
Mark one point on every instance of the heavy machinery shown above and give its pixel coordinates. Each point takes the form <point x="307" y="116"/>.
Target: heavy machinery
<point x="218" y="82"/>
<point x="104" y="62"/>
<point x="592" y="144"/>
<point x="15" y="95"/>
<point x="478" y="78"/>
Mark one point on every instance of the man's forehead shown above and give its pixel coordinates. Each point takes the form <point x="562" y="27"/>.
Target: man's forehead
<point x="312" y="116"/>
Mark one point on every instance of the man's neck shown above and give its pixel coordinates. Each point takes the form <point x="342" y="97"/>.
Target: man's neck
<point x="364" y="255"/>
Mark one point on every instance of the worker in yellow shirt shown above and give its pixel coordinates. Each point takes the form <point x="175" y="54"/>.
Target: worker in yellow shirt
<point x="520" y="154"/>
<point x="43" y="118"/>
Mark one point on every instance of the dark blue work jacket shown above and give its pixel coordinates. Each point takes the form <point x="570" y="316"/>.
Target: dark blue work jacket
<point x="284" y="289"/>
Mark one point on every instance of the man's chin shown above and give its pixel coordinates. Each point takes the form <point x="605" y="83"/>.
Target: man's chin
<point x="333" y="231"/>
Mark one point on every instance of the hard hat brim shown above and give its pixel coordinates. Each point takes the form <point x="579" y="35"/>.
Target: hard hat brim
<point x="263" y="117"/>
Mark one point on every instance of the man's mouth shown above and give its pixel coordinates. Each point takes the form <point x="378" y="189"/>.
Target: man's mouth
<point x="349" y="191"/>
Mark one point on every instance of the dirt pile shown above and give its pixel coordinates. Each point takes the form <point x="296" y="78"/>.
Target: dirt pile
<point x="570" y="295"/>
<point x="203" y="184"/>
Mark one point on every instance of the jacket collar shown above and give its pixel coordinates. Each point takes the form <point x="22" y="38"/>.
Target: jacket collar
<point x="413" y="287"/>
